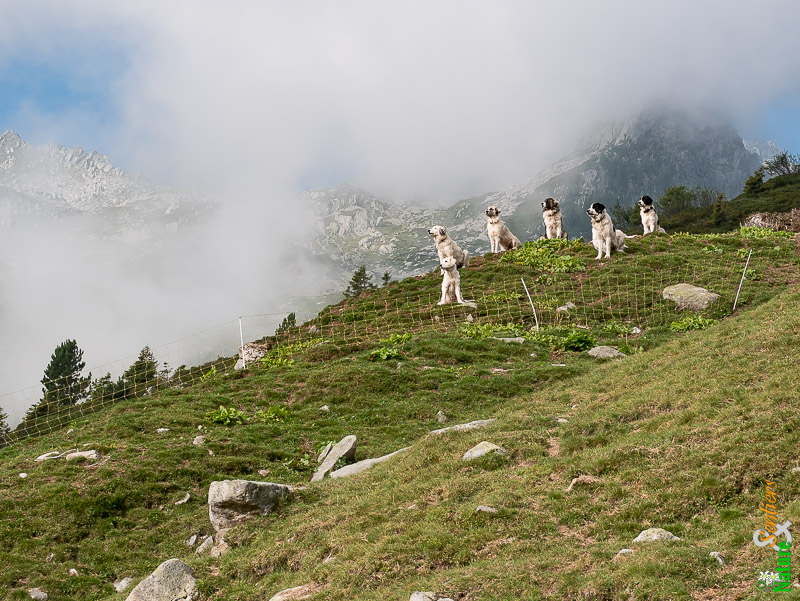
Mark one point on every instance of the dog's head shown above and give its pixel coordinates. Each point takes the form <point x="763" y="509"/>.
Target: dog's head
<point x="646" y="202"/>
<point x="492" y="212"/>
<point x="550" y="204"/>
<point x="448" y="263"/>
<point x="596" y="211"/>
<point x="438" y="232"/>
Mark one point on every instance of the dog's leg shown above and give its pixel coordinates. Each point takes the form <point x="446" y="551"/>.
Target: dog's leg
<point x="466" y="259"/>
<point x="459" y="298"/>
<point x="444" y="289"/>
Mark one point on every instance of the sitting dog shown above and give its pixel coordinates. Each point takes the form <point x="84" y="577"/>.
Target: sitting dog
<point x="445" y="247"/>
<point x="552" y="219"/>
<point x="500" y="237"/>
<point x="604" y="237"/>
<point x="649" y="217"/>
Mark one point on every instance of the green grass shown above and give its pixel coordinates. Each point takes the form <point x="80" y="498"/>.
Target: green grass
<point x="682" y="435"/>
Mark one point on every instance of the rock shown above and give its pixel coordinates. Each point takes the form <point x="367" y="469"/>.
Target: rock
<point x="636" y="330"/>
<point x="184" y="499"/>
<point x="689" y="297"/>
<point x="23" y="475"/>
<point x="123" y="584"/>
<point x="606" y="352"/>
<point x="324" y="408"/>
<point x="561" y="420"/>
<point x="313" y="330"/>
<point x="344" y="448"/>
<point x="566" y="308"/>
<point x="233" y="501"/>
<point x="297" y="593"/>
<point x="653" y="534"/>
<point x="38" y="594"/>
<point x="251" y="353"/>
<point x="263" y="473"/>
<point x="357" y="468"/>
<point x="582" y="480"/>
<point x="83" y="455"/>
<point x="795" y="470"/>
<point x="191" y="540"/>
<point x="554" y="364"/>
<point x="718" y="556"/>
<point x="162" y="430"/>
<point x="481" y="449"/>
<point x="418" y="596"/>
<point x="517" y="340"/>
<point x="50" y="557"/>
<point x="464" y="427"/>
<point x="207" y="543"/>
<point x="622" y="553"/>
<point x="198" y="440"/>
<point x="73" y="572"/>
<point x="485" y="509"/>
<point x="324" y="453"/>
<point x="220" y="549"/>
<point x="173" y="580"/>
<point x="470" y="318"/>
<point x="441" y="417"/>
<point x="46" y="456"/>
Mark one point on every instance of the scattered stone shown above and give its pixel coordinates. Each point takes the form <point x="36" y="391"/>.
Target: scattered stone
<point x="313" y="330"/>
<point x="481" y="449"/>
<point x="38" y="594"/>
<point x="50" y="557"/>
<point x="470" y="318"/>
<point x="220" y="549"/>
<point x="357" y="468"/>
<point x="622" y="553"/>
<point x="606" y="352"/>
<point x="498" y="370"/>
<point x="173" y="580"/>
<point x="200" y="427"/>
<point x="122" y="585"/>
<point x="441" y="417"/>
<point x="795" y="470"/>
<point x="636" y="330"/>
<point x="23" y="475"/>
<point x="251" y="353"/>
<point x="73" y="572"/>
<point x="554" y="364"/>
<point x="561" y="420"/>
<point x="344" y="448"/>
<point x="184" y="499"/>
<point x="653" y="534"/>
<point x="162" y="430"/>
<point x="324" y="408"/>
<point x="566" y="308"/>
<point x="191" y="540"/>
<point x="718" y="556"/>
<point x="485" y="509"/>
<point x="263" y="472"/>
<point x="329" y="559"/>
<point x="83" y="455"/>
<point x="324" y="452"/>
<point x="419" y="596"/>
<point x="233" y="501"/>
<point x="464" y="427"/>
<point x="585" y="479"/>
<point x="46" y="456"/>
<point x="686" y="296"/>
<point x="297" y="593"/>
<point x="70" y="431"/>
<point x="198" y="440"/>
<point x="210" y="453"/>
<point x="437" y="318"/>
<point x="516" y="340"/>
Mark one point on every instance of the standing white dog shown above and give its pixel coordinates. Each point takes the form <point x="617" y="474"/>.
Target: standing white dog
<point x="604" y="237"/>
<point x="649" y="216"/>
<point x="445" y="247"/>
<point x="451" y="282"/>
<point x="500" y="237"/>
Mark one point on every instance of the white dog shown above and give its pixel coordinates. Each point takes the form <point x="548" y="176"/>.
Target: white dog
<point x="445" y="247"/>
<point x="500" y="237"/>
<point x="552" y="219"/>
<point x="649" y="216"/>
<point x="451" y="284"/>
<point x="604" y="237"/>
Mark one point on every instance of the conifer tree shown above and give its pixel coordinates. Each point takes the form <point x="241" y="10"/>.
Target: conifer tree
<point x="360" y="282"/>
<point x="387" y="277"/>
<point x="5" y="431"/>
<point x="139" y="377"/>
<point x="62" y="383"/>
<point x="754" y="183"/>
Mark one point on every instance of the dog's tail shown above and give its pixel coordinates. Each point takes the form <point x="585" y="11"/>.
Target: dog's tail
<point x="465" y="263"/>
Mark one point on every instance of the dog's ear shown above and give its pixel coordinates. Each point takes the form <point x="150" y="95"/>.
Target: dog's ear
<point x="442" y="231"/>
<point x="497" y="211"/>
<point x="599" y="207"/>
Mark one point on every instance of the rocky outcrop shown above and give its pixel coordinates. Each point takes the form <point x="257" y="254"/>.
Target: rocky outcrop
<point x="689" y="297"/>
<point x="464" y="427"/>
<point x="173" y="580"/>
<point x="357" y="468"/>
<point x="781" y="222"/>
<point x="654" y="534"/>
<point x="250" y="353"/>
<point x="231" y="502"/>
<point x="297" y="593"/>
<point x="606" y="352"/>
<point x="344" y="448"/>
<point x="481" y="449"/>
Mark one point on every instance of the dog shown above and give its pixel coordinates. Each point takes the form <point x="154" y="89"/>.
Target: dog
<point x="445" y="247"/>
<point x="604" y="237"/>
<point x="500" y="237"/>
<point x="649" y="216"/>
<point x="451" y="284"/>
<point x="552" y="219"/>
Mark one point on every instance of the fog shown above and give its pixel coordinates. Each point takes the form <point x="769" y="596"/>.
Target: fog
<point x="253" y="101"/>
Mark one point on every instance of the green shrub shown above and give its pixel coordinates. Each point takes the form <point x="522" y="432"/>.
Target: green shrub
<point x="691" y="322"/>
<point x="275" y="413"/>
<point x="763" y="232"/>
<point x="281" y="355"/>
<point x="578" y="340"/>
<point x="491" y="330"/>
<point x="385" y="353"/>
<point x="503" y="297"/>
<point x="396" y="338"/>
<point x="543" y="255"/>
<point x="229" y="416"/>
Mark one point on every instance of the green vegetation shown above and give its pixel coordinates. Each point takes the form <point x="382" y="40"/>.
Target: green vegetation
<point x="290" y="321"/>
<point x="544" y="255"/>
<point x="359" y="283"/>
<point x="227" y="416"/>
<point x="692" y="322"/>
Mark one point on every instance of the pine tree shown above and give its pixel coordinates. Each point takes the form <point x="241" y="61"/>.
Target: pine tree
<point x="139" y="377"/>
<point x="360" y="282"/>
<point x="62" y="383"/>
<point x="5" y="431"/>
<point x="290" y="321"/>
<point x="386" y="278"/>
<point x="755" y="182"/>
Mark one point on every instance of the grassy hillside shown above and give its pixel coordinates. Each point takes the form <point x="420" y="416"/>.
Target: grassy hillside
<point x="681" y="435"/>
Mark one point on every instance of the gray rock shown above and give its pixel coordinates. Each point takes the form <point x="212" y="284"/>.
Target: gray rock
<point x="83" y="455"/>
<point x="207" y="543"/>
<point x="297" y="593"/>
<point x="485" y="509"/>
<point x="566" y="308"/>
<point x="653" y="534"/>
<point x="718" y="556"/>
<point x="481" y="449"/>
<point x="123" y="584"/>
<point x="324" y="408"/>
<point x="561" y="420"/>
<point x="583" y="479"/>
<point x="606" y="352"/>
<point x="622" y="553"/>
<point x="464" y="427"/>
<point x="324" y="453"/>
<point x="420" y="596"/>
<point x="23" y="475"/>
<point x="250" y="353"/>
<point x="191" y="540"/>
<point x="795" y="470"/>
<point x="516" y="340"/>
<point x="313" y="330"/>
<point x="231" y="502"/>
<point x="636" y="330"/>
<point x="198" y="440"/>
<point x="220" y="549"/>
<point x="38" y="594"/>
<point x="50" y="557"/>
<point x="162" y="430"/>
<point x="73" y="572"/>
<point x="357" y="468"/>
<point x="173" y="580"/>
<point x="470" y="318"/>
<point x="184" y="499"/>
<point x="686" y="296"/>
<point x="442" y="418"/>
<point x="344" y="448"/>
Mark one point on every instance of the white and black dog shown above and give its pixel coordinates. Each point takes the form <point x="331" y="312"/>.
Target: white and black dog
<point x="500" y="237"/>
<point x="604" y="237"/>
<point x="552" y="219"/>
<point x="649" y="216"/>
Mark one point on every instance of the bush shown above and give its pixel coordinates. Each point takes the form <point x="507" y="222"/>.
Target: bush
<point x="385" y="353"/>
<point x="228" y="417"/>
<point x="691" y="322"/>
<point x="275" y="413"/>
<point x="543" y="255"/>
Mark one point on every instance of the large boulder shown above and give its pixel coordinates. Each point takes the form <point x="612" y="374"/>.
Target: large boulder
<point x="654" y="534"/>
<point x="173" y="580"/>
<point x="606" y="352"/>
<point x="481" y="449"/>
<point x="689" y="297"/>
<point x="231" y="502"/>
<point x="346" y="448"/>
<point x="250" y="353"/>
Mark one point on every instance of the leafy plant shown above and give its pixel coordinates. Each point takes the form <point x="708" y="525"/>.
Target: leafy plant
<point x="615" y="327"/>
<point x="543" y="255"/>
<point x="281" y="355"/>
<point x="578" y="340"/>
<point x="275" y="413"/>
<point x="385" y="353"/>
<point x="692" y="322"/>
<point x="503" y="297"/>
<point x="209" y="375"/>
<point x="490" y="330"/>
<point x="227" y="416"/>
<point x="396" y="338"/>
<point x="763" y="232"/>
